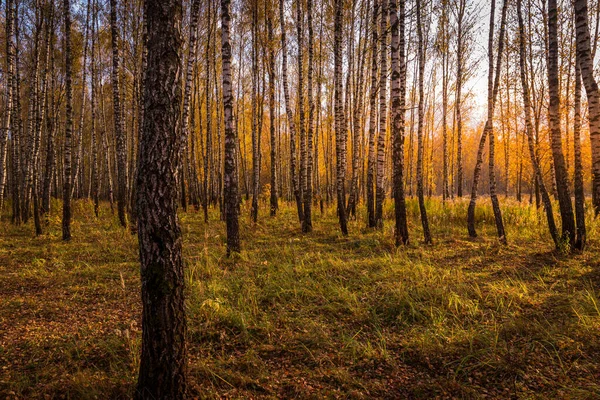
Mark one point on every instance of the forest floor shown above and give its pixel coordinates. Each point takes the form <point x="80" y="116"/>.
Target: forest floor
<point x="310" y="316"/>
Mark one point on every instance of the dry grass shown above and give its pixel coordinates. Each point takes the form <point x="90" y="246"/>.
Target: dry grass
<point x="310" y="316"/>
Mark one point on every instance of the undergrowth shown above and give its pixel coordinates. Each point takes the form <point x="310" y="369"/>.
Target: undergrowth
<point x="310" y="315"/>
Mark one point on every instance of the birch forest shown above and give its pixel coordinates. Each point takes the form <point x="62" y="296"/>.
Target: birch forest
<point x="340" y="199"/>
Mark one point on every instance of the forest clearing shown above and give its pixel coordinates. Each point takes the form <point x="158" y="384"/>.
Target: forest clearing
<point x="313" y="316"/>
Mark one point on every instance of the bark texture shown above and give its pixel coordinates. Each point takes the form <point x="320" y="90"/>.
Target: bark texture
<point x="163" y="362"/>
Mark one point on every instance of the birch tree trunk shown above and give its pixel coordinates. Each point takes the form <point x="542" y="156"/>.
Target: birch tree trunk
<point x="230" y="186"/>
<point x="187" y="93"/>
<point x="255" y="125"/>
<point x="581" y="237"/>
<point x="383" y="54"/>
<point x="94" y="177"/>
<point x="493" y="86"/>
<point x="9" y="97"/>
<point x="340" y="132"/>
<point x="529" y="127"/>
<point x="492" y="137"/>
<point x="421" y="122"/>
<point x="163" y="362"/>
<point x="398" y="93"/>
<point x="272" y="135"/>
<point x="41" y="109"/>
<point x="308" y="192"/>
<point x="562" y="184"/>
<point x="458" y="96"/>
<point x="586" y="66"/>
<point x="290" y="118"/>
<point x="66" y="219"/>
<point x="118" y="120"/>
<point x="208" y="164"/>
<point x="445" y="72"/>
<point x="372" y="120"/>
<point x="77" y="162"/>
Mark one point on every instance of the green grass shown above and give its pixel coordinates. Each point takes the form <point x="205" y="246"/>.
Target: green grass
<point x="310" y="316"/>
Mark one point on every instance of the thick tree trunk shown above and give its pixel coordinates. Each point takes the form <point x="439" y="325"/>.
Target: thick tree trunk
<point x="163" y="362"/>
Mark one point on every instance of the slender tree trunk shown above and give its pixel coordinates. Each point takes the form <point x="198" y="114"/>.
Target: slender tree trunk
<point x="290" y="118"/>
<point x="301" y="108"/>
<point x="118" y="121"/>
<point x="94" y="145"/>
<point x="493" y="86"/>
<point x="319" y="127"/>
<point x="230" y="186"/>
<point x="207" y="184"/>
<point x="49" y="169"/>
<point x="357" y="117"/>
<point x="562" y="184"/>
<point x="189" y="72"/>
<point x="9" y="98"/>
<point x="107" y="156"/>
<point x="492" y="137"/>
<point x="163" y="363"/>
<point x="445" y="72"/>
<point x="458" y="96"/>
<point x="420" y="147"/>
<point x="586" y="66"/>
<point x="66" y="220"/>
<point x="340" y="133"/>
<point x="40" y="114"/>
<point x="580" y="239"/>
<point x="255" y="126"/>
<point x="529" y="127"/>
<point x="308" y="191"/>
<point x="372" y="120"/>
<point x="32" y="144"/>
<point x="398" y="92"/>
<point x="273" y="198"/>
<point x="16" y="120"/>
<point x="383" y="54"/>
<point x="77" y="162"/>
